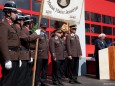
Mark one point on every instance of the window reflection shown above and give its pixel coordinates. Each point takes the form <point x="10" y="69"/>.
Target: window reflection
<point x="44" y="21"/>
<point x="87" y="15"/>
<point x="114" y="31"/>
<point x="3" y="1"/>
<point x="114" y="20"/>
<point x="87" y="27"/>
<point x="36" y="5"/>
<point x="106" y="19"/>
<point x="25" y="4"/>
<point x="1" y="15"/>
<point x="35" y="19"/>
<point x="93" y="39"/>
<point x="96" y="29"/>
<point x="108" y="41"/>
<point x="95" y="17"/>
<point x="52" y="22"/>
<point x="87" y="39"/>
<point x="107" y="30"/>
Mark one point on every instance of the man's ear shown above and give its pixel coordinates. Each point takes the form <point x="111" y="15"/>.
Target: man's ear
<point x="9" y="13"/>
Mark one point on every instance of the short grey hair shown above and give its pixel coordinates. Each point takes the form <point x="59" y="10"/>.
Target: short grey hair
<point x="102" y="34"/>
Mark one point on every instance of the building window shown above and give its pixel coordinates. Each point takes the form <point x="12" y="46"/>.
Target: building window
<point x="93" y="39"/>
<point x="1" y="15"/>
<point x="3" y="1"/>
<point x="107" y="30"/>
<point x="52" y="22"/>
<point x="36" y="5"/>
<point x="87" y="27"/>
<point x="96" y="29"/>
<point x="87" y="39"/>
<point x="106" y="19"/>
<point x="108" y="41"/>
<point x="25" y="4"/>
<point x="87" y="15"/>
<point x="114" y="31"/>
<point x="114" y="41"/>
<point x="44" y="21"/>
<point x="35" y="19"/>
<point x="114" y="20"/>
<point x="95" y="17"/>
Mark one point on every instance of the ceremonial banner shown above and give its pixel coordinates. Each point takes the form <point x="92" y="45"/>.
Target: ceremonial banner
<point x="69" y="10"/>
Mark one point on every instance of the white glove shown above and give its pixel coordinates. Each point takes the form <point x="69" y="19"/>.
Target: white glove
<point x="70" y="57"/>
<point x="20" y="63"/>
<point x="38" y="31"/>
<point x="31" y="60"/>
<point x="8" y="65"/>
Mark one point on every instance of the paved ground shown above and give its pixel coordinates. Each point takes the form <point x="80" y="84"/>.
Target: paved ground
<point x="86" y="81"/>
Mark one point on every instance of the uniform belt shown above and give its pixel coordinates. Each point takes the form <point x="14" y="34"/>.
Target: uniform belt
<point x="13" y="48"/>
<point x="23" y="49"/>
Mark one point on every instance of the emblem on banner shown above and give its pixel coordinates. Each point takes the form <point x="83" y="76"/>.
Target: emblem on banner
<point x="63" y="3"/>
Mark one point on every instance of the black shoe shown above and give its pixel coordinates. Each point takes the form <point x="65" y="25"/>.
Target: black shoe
<point x="37" y="84"/>
<point x="43" y="84"/>
<point x="77" y="82"/>
<point x="71" y="82"/>
<point x="55" y="83"/>
<point x="60" y="83"/>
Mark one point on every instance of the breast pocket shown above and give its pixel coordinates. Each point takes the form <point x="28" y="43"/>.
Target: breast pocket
<point x="57" y="44"/>
<point x="13" y="39"/>
<point x="72" y="40"/>
<point x="12" y="34"/>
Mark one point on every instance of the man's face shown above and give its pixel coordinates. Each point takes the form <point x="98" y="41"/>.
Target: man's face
<point x="66" y="34"/>
<point x="43" y="30"/>
<point x="22" y="22"/>
<point x="31" y="25"/>
<point x="73" y="30"/>
<point x="103" y="37"/>
<point x="58" y="34"/>
<point x="13" y="15"/>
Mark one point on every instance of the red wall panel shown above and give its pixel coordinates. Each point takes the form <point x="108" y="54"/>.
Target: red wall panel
<point x="101" y="6"/>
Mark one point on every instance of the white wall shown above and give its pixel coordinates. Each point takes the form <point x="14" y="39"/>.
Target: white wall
<point x="81" y="33"/>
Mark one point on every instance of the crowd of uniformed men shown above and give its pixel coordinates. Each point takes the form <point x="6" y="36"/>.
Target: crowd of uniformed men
<point x="17" y="51"/>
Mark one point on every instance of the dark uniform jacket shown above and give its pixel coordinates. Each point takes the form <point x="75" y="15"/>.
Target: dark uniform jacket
<point x="56" y="48"/>
<point x="25" y="38"/>
<point x="9" y="41"/>
<point x="99" y="44"/>
<point x="73" y="46"/>
<point x="65" y="48"/>
<point x="43" y="46"/>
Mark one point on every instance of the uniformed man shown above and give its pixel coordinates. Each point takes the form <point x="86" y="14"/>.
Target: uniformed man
<point x="64" y="68"/>
<point x="25" y="55"/>
<point x="57" y="53"/>
<point x="26" y="38"/>
<point x="42" y="60"/>
<point x="9" y="45"/>
<point x="74" y="53"/>
<point x="99" y="44"/>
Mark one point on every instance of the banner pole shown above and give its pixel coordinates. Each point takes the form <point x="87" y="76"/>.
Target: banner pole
<point x="36" y="50"/>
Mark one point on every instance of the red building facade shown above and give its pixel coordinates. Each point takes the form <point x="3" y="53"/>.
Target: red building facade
<point x="99" y="18"/>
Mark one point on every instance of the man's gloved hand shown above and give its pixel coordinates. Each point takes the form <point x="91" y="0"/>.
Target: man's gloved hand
<point x="20" y="63"/>
<point x="38" y="31"/>
<point x="31" y="60"/>
<point x="8" y="65"/>
<point x="70" y="57"/>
